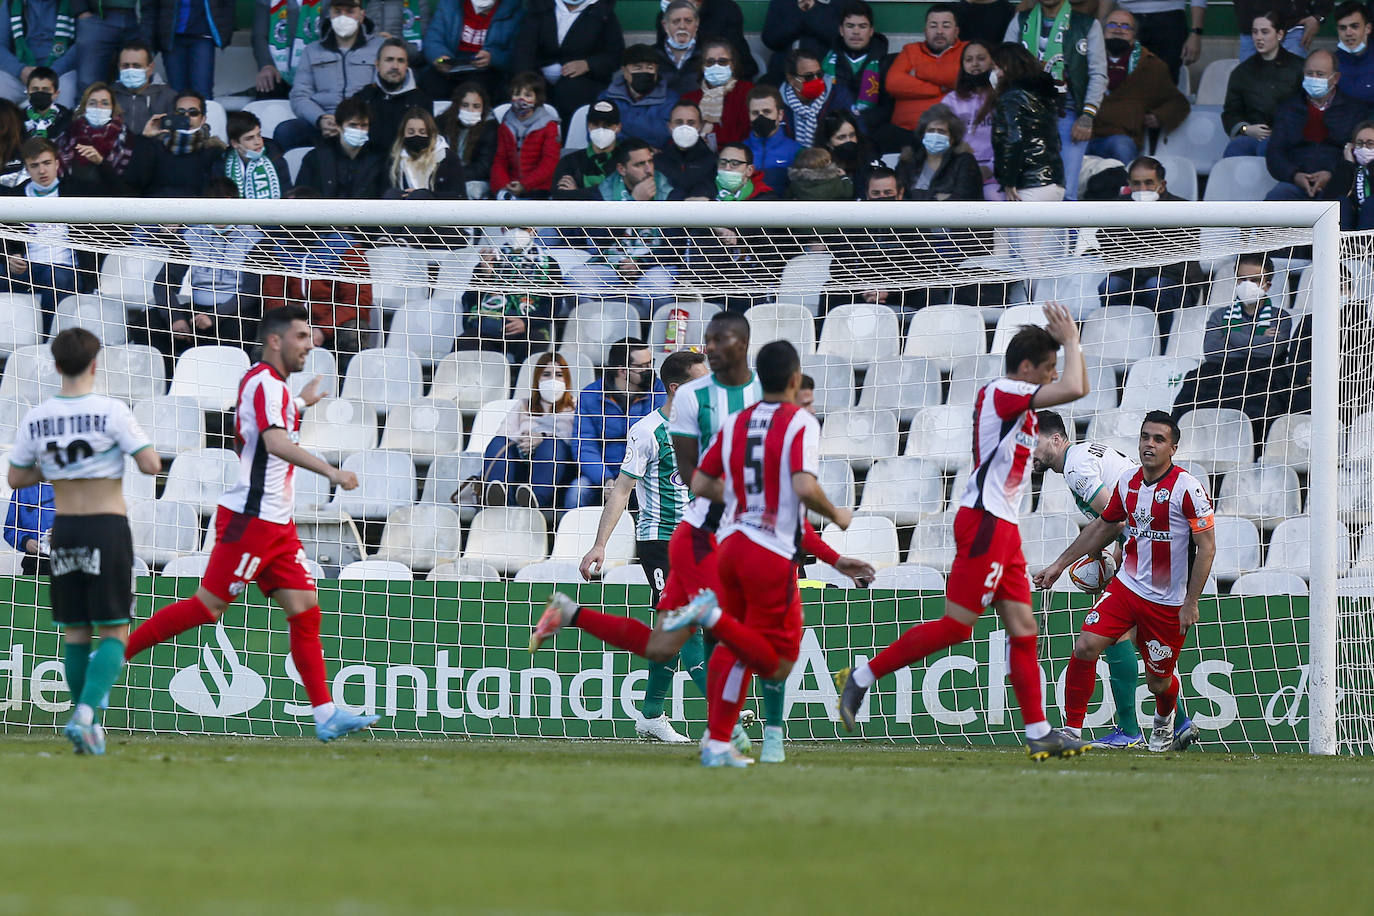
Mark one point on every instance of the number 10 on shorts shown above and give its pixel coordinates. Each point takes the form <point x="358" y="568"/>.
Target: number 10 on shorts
<point x="247" y="568"/>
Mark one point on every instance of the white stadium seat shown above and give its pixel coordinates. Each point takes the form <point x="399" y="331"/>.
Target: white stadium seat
<point x="1187" y="333"/>
<point x="375" y="571"/>
<point x="1236" y="177"/>
<point x="312" y="494"/>
<point x="427" y="328"/>
<point x="487" y="424"/>
<point x="464" y="571"/>
<point x="507" y="537"/>
<point x="557" y="571"/>
<point x="471" y="378"/>
<point x="787" y="321"/>
<point x="859" y="436"/>
<point x="131" y="372"/>
<point x="1201" y="140"/>
<point x="577" y="533"/>
<point x="190" y="566"/>
<point x="423" y="429"/>
<point x="943" y="435"/>
<point x="1102" y="391"/>
<point x="12" y="410"/>
<point x="332" y="544"/>
<point x="1290" y="548"/>
<point x="1216" y="439"/>
<point x="902" y="385"/>
<point x="1179" y="171"/>
<point x="943" y="333"/>
<point x="173" y="425"/>
<point x="629" y="574"/>
<point x="872" y="537"/>
<point x="834" y="378"/>
<point x="1121" y="334"/>
<point x="1268" y="582"/>
<point x="803" y="279"/>
<point x="1211" y="89"/>
<point x="1044" y="538"/>
<point x="698" y="315"/>
<point x="904" y="490"/>
<point x="210" y="374"/>
<point x="576" y="137"/>
<point x="294" y="159"/>
<point x="200" y="477"/>
<point x="30" y="373"/>
<point x="837" y="480"/>
<point x="968" y="374"/>
<point x="128" y="274"/>
<point x="1153" y="383"/>
<point x="335" y="427"/>
<point x="1238" y="548"/>
<point x="1265" y="494"/>
<point x="911" y="577"/>
<point x="823" y="572"/>
<point x="270" y="113"/>
<point x="1077" y="291"/>
<point x="860" y="333"/>
<point x="592" y="327"/>
<point x="383" y="378"/>
<point x="1118" y="428"/>
<point x="386" y="482"/>
<point x="163" y="530"/>
<point x="1011" y="320"/>
<point x="21" y="324"/>
<point x="421" y="537"/>
<point x="318" y="362"/>
<point x="400" y="276"/>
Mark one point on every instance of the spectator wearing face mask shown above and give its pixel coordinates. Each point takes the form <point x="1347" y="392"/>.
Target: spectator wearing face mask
<point x="580" y="172"/>
<point x="849" y="148"/>
<point x="1355" y="174"/>
<point x="771" y="145"/>
<point x="527" y="145"/>
<point x="807" y="93"/>
<point x="421" y="164"/>
<point x="972" y="101"/>
<point x="392" y="92"/>
<point x="1353" y="59"/>
<point x="339" y="65"/>
<point x="470" y="129"/>
<point x="95" y="150"/>
<point x="141" y="96"/>
<point x="688" y="162"/>
<point x="507" y="309"/>
<point x="470" y="41"/>
<point x="719" y="19"/>
<point x="942" y="167"/>
<point x="1310" y="134"/>
<point x="178" y="158"/>
<point x="576" y="44"/>
<point x="1141" y="95"/>
<point x="722" y="96"/>
<point x="679" y="56"/>
<point x="351" y="165"/>
<point x="44" y="117"/>
<point x="642" y="95"/>
<point x="256" y="168"/>
<point x="533" y="453"/>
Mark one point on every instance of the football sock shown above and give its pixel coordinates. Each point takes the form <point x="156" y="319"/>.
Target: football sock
<point x="622" y="632"/>
<point x="693" y="660"/>
<point x="102" y="671"/>
<point x="1179" y="714"/>
<point x="727" y="686"/>
<point x="76" y="656"/>
<point x="774" y="698"/>
<point x="308" y="654"/>
<point x="918" y="642"/>
<point x="747" y="644"/>
<point x="1166" y="701"/>
<point x="1079" y="683"/>
<point x="1123" y="675"/>
<point x="1025" y="678"/>
<point x="660" y="680"/>
<point x="175" y="618"/>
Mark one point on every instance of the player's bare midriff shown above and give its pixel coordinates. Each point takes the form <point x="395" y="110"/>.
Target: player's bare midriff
<point x="89" y="497"/>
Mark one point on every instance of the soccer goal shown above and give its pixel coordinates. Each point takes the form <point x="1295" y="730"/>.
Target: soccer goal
<point x="1248" y="322"/>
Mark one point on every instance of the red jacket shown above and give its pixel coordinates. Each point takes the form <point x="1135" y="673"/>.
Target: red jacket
<point x="531" y="163"/>
<point x="332" y="303"/>
<point x="918" y="79"/>
<point x="734" y="113"/>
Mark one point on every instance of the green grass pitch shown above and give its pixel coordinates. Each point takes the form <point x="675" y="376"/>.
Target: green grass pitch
<point x="218" y="826"/>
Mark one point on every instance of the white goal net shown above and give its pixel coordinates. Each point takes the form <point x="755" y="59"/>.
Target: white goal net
<point x="434" y="323"/>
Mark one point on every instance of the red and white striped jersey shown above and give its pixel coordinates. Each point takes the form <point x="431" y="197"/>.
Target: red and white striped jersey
<point x="266" y="484"/>
<point x="756" y="454"/>
<point x="1004" y="431"/>
<point x="1160" y="520"/>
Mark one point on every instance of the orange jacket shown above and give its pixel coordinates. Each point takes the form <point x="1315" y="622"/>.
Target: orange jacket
<point x="332" y="303"/>
<point x="918" y="79"/>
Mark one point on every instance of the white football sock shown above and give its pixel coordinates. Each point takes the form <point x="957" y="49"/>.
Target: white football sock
<point x="1037" y="730"/>
<point x="863" y="676"/>
<point x="324" y="712"/>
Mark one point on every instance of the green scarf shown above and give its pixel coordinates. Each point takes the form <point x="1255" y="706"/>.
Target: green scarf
<point x="1264" y="316"/>
<point x="1053" y="55"/>
<point x="744" y="192"/>
<point x="1135" y="58"/>
<point x="256" y="180"/>
<point x="63" y="36"/>
<point x="532" y="268"/>
<point x="411" y="29"/>
<point x="286" y="49"/>
<point x="870" y="79"/>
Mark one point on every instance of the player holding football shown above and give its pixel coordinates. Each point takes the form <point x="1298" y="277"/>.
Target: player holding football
<point x="763" y="468"/>
<point x="1091" y="470"/>
<point x="78" y="440"/>
<point x="650" y="471"/>
<point x="1171" y="541"/>
<point x="255" y="536"/>
<point x="989" y="568"/>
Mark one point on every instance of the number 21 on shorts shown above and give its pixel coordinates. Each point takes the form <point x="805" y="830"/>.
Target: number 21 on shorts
<point x="991" y="582"/>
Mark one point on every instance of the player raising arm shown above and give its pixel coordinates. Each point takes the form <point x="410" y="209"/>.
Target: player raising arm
<point x="989" y="567"/>
<point x="78" y="441"/>
<point x="255" y="535"/>
<point x="1171" y="541"/>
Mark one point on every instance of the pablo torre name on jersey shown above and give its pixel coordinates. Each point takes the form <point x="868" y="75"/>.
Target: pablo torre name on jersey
<point x="61" y="426"/>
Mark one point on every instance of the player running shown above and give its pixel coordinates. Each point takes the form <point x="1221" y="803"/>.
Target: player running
<point x="1091" y="470"/>
<point x="78" y="440"/>
<point x="763" y="468"/>
<point x="650" y="471"/>
<point x="989" y="568"/>
<point x="1170" y="544"/>
<point x="255" y="536"/>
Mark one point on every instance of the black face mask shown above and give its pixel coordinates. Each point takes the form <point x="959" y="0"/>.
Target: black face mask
<point x="643" y="83"/>
<point x="845" y="154"/>
<point x="416" y="145"/>
<point x="977" y="80"/>
<point x="40" y="101"/>
<point x="763" y="127"/>
<point x="1117" y="47"/>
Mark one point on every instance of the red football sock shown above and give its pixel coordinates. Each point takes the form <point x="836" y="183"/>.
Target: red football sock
<point x="308" y="654"/>
<point x="1166" y="701"/>
<point x="918" y="642"/>
<point x="1025" y="679"/>
<point x="727" y="687"/>
<point x="622" y="632"/>
<point x="1079" y="684"/>
<point x="175" y="618"/>
<point x="747" y="644"/>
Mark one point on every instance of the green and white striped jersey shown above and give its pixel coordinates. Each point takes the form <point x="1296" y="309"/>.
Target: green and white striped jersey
<point x="650" y="460"/>
<point x="700" y="409"/>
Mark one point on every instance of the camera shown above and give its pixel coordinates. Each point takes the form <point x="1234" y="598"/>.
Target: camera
<point x="177" y="122"/>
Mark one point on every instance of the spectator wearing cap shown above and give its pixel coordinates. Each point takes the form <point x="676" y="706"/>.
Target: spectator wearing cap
<point x="1352" y="51"/>
<point x="391" y="93"/>
<point x="679" y="56"/>
<point x="925" y="70"/>
<point x="1141" y="95"/>
<point x="773" y="149"/>
<point x="792" y="24"/>
<point x="470" y="40"/>
<point x="576" y="46"/>
<point x="723" y="96"/>
<point x="1310" y="134"/>
<point x="188" y="33"/>
<point x="688" y="162"/>
<point x="580" y="171"/>
<point x="527" y="145"/>
<point x="643" y="96"/>
<point x="350" y="166"/>
<point x="340" y="64"/>
<point x="722" y="19"/>
<point x="807" y="92"/>
<point x="1256" y="88"/>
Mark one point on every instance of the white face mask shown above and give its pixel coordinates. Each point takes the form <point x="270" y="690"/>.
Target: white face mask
<point x="99" y="117"/>
<point x="601" y="137"/>
<point x="518" y="239"/>
<point x="551" y="389"/>
<point x="1145" y="196"/>
<point x="469" y="118"/>
<point x="686" y="136"/>
<point x="1249" y="291"/>
<point x="343" y="26"/>
<point x="1359" y="48"/>
<point x="482" y="6"/>
<point x="994" y="77"/>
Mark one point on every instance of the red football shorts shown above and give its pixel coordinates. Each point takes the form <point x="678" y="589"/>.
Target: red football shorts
<point x="988" y="565"/>
<point x="248" y="549"/>
<point x="691" y="566"/>
<point x="1156" y="635"/>
<point x="759" y="587"/>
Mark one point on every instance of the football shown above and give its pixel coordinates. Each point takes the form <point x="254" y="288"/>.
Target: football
<point x="1091" y="574"/>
